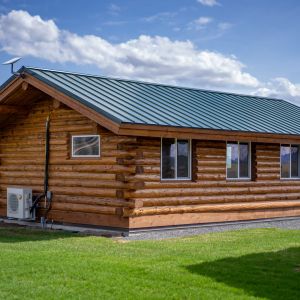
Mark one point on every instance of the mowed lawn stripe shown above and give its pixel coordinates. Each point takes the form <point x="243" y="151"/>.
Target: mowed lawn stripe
<point x="245" y="264"/>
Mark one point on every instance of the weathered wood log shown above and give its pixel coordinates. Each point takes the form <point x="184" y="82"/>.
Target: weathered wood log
<point x="93" y="168"/>
<point x="182" y="192"/>
<point x="108" y="162"/>
<point x="142" y="177"/>
<point x="92" y="200"/>
<point x="211" y="163"/>
<point x="57" y="182"/>
<point x="268" y="170"/>
<point x="204" y="152"/>
<point x="23" y="132"/>
<point x="149" y="169"/>
<point x="56" y="104"/>
<point x="217" y="176"/>
<point x="21" y="174"/>
<point x="187" y="184"/>
<point x="87" y="218"/>
<point x="142" y="154"/>
<point x="25" y="86"/>
<point x="171" y="201"/>
<point x="107" y="210"/>
<point x="96" y="192"/>
<point x="10" y="109"/>
<point x="29" y="141"/>
<point x="28" y="155"/>
<point x="148" y="161"/>
<point x="268" y="163"/>
<point x="37" y="148"/>
<point x="268" y="176"/>
<point x="72" y="191"/>
<point x="209" y="208"/>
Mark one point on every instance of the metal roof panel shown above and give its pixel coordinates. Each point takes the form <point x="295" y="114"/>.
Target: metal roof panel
<point x="135" y="102"/>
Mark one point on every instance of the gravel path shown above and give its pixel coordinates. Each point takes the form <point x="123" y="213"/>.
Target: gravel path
<point x="287" y="223"/>
<point x="172" y="232"/>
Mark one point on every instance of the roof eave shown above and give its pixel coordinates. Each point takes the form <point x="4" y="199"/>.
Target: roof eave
<point x="110" y="123"/>
<point x="205" y="134"/>
<point x="10" y="86"/>
<point x="67" y="93"/>
<point x="14" y="83"/>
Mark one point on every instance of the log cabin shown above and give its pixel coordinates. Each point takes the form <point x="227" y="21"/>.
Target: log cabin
<point x="127" y="154"/>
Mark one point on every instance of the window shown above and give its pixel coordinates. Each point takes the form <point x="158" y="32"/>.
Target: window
<point x="238" y="160"/>
<point x="85" y="146"/>
<point x="175" y="159"/>
<point x="289" y="161"/>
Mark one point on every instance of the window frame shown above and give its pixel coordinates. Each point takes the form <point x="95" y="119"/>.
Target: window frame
<point x="189" y="162"/>
<point x="85" y="156"/>
<point x="249" y="162"/>
<point x="290" y="177"/>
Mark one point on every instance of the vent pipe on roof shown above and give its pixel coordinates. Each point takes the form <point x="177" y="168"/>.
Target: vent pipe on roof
<point x="11" y="62"/>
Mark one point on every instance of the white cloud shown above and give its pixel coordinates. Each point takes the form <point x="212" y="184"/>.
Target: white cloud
<point x="114" y="9"/>
<point x="282" y="88"/>
<point x="162" y="16"/>
<point x="224" y="26"/>
<point x="203" y="20"/>
<point x="208" y="2"/>
<point x="147" y="58"/>
<point x="30" y="35"/>
<point x="199" y="23"/>
<point x="156" y="58"/>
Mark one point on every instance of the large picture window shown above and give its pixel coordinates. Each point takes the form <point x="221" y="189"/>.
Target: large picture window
<point x="85" y="146"/>
<point x="175" y="158"/>
<point x="238" y="160"/>
<point x="289" y="161"/>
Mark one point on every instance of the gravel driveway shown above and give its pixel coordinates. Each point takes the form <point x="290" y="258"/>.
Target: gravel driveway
<point x="287" y="223"/>
<point x="163" y="233"/>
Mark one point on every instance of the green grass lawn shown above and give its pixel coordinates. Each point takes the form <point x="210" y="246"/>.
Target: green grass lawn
<point x="248" y="264"/>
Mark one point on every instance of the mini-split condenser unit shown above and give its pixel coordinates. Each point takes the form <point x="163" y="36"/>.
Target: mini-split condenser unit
<point x="19" y="202"/>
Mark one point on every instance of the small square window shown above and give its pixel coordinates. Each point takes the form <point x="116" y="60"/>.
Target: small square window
<point x="85" y="146"/>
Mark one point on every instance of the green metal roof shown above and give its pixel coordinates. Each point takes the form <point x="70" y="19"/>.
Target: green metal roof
<point x="134" y="102"/>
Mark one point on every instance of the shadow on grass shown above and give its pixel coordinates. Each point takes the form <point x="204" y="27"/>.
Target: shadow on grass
<point x="272" y="275"/>
<point x="21" y="234"/>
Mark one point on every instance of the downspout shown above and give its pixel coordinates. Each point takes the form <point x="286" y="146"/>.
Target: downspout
<point x="47" y="195"/>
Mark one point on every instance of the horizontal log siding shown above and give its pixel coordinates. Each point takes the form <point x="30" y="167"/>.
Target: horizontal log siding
<point x="208" y="193"/>
<point x="86" y="191"/>
<point x="123" y="188"/>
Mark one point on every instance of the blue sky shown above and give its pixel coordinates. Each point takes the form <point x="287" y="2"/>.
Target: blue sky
<point x="247" y="46"/>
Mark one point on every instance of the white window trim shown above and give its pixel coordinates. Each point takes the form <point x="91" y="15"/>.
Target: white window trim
<point x="290" y="178"/>
<point x="86" y="135"/>
<point x="189" y="165"/>
<point x="249" y="162"/>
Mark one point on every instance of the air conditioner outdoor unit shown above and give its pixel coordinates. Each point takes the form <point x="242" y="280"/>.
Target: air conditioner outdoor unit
<point x="19" y="201"/>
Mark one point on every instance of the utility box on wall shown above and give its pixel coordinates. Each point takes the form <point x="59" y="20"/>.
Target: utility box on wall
<point x="19" y="202"/>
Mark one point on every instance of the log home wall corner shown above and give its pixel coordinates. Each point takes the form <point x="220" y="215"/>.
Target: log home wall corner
<point x="85" y="191"/>
<point x="123" y="188"/>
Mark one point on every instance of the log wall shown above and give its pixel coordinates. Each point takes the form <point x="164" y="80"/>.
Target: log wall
<point x="209" y="196"/>
<point x="86" y="191"/>
<point x="122" y="188"/>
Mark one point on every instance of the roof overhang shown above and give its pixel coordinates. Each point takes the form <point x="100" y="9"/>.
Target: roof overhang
<point x="139" y="129"/>
<point x="59" y="96"/>
<point x="205" y="134"/>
